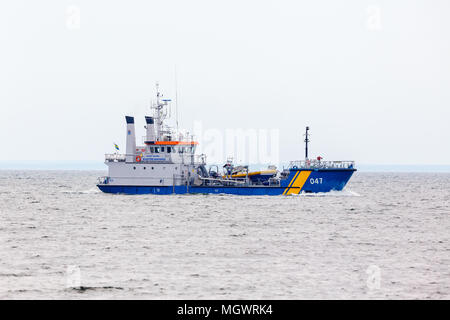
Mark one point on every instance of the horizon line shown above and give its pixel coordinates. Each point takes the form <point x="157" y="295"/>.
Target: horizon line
<point x="85" y="165"/>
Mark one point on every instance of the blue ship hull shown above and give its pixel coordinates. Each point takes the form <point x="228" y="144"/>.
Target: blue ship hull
<point x="308" y="181"/>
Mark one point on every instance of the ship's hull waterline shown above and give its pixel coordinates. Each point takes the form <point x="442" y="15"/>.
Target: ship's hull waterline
<point x="300" y="181"/>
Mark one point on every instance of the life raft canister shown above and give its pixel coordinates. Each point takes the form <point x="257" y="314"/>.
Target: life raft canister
<point x="138" y="159"/>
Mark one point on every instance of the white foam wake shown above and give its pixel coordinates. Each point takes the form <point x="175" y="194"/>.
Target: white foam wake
<point x="332" y="193"/>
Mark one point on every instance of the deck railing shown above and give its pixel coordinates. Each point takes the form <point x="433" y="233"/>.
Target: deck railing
<point x="320" y="164"/>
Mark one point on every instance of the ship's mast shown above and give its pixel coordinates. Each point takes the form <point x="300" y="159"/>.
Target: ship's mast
<point x="176" y="98"/>
<point x="159" y="113"/>
<point x="306" y="143"/>
<point x="159" y="116"/>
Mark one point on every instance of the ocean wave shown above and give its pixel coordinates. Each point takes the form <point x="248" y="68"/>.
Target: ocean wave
<point x="89" y="191"/>
<point x="88" y="288"/>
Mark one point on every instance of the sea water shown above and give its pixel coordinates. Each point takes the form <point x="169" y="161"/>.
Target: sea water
<point x="387" y="235"/>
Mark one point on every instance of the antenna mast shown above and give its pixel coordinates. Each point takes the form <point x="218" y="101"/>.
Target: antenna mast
<point x="306" y="143"/>
<point x="159" y="116"/>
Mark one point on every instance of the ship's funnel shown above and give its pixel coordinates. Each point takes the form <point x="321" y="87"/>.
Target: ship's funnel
<point x="150" y="129"/>
<point x="131" y="139"/>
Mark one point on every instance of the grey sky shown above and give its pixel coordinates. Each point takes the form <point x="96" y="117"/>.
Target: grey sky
<point x="371" y="78"/>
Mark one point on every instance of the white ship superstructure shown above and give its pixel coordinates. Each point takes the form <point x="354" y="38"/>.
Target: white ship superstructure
<point x="167" y="158"/>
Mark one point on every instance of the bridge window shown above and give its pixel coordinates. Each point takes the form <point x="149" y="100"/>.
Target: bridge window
<point x="162" y="149"/>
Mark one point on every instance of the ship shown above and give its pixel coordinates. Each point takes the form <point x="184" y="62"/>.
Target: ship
<point x="167" y="163"/>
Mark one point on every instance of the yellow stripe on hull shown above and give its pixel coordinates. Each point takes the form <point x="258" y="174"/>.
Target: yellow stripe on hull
<point x="299" y="182"/>
<point x="291" y="183"/>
